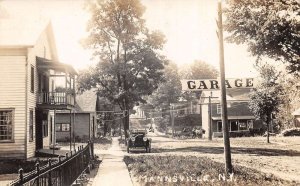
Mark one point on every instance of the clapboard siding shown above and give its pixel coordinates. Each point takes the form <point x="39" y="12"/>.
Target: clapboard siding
<point x="15" y="66"/>
<point x="13" y="52"/>
<point x="41" y="49"/>
<point x="12" y="96"/>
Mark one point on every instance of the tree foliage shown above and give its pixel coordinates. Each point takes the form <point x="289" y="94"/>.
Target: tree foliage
<point x="129" y="61"/>
<point x="266" y="97"/>
<point x="270" y="28"/>
<point x="290" y="100"/>
<point x="197" y="70"/>
<point x="168" y="91"/>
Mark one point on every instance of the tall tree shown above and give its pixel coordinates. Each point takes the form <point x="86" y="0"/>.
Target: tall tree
<point x="266" y="97"/>
<point x="129" y="61"/>
<point x="269" y="28"/>
<point x="290" y="100"/>
<point x="197" y="70"/>
<point x="168" y="91"/>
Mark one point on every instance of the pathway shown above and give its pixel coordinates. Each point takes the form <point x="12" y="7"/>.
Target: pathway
<point x="112" y="171"/>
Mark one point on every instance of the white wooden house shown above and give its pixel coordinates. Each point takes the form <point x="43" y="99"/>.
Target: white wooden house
<point x="29" y="70"/>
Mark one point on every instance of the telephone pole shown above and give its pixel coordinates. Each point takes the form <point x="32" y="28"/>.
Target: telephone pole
<point x="227" y="152"/>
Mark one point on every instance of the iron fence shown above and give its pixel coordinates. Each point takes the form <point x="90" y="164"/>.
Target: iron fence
<point x="62" y="172"/>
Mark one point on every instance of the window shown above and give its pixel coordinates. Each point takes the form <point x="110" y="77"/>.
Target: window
<point x="58" y="127"/>
<point x="234" y="126"/>
<point x="31" y="125"/>
<point x="45" y="128"/>
<point x="32" y="79"/>
<point x="219" y="126"/>
<point x="219" y="109"/>
<point x="6" y="125"/>
<point x="65" y="127"/>
<point x="242" y="125"/>
<point x="250" y="124"/>
<point x="62" y="127"/>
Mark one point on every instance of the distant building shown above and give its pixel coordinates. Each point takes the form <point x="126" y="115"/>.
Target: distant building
<point x="30" y="73"/>
<point x="240" y="119"/>
<point x="296" y="115"/>
<point x="84" y="118"/>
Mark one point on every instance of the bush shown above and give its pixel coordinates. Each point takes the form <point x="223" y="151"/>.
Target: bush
<point x="103" y="140"/>
<point x="291" y="132"/>
<point x="162" y="123"/>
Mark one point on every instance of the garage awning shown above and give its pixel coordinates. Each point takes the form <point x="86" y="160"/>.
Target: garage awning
<point x="234" y="117"/>
<point x="47" y="64"/>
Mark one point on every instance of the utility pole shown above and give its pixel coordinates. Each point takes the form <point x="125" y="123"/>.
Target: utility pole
<point x="209" y="120"/>
<point x="172" y="119"/>
<point x="209" y="115"/>
<point x="227" y="151"/>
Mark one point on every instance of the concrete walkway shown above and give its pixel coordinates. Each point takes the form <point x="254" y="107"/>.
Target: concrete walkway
<point x="112" y="171"/>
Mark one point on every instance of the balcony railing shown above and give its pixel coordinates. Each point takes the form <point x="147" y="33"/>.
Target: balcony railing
<point x="56" y="98"/>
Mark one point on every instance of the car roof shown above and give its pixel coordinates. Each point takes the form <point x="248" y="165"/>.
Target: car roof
<point x="138" y="131"/>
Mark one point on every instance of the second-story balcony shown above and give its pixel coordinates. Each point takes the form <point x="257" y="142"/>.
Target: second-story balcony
<point x="60" y="99"/>
<point x="56" y="85"/>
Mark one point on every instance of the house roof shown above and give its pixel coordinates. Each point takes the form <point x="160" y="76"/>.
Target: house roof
<point x="231" y="95"/>
<point x="24" y="33"/>
<point x="20" y="32"/>
<point x="43" y="63"/>
<point x="233" y="117"/>
<point x="86" y="102"/>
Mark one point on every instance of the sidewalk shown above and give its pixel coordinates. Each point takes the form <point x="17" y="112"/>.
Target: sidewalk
<point x="112" y="171"/>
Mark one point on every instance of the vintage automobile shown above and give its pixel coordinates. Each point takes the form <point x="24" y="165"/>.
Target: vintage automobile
<point x="139" y="141"/>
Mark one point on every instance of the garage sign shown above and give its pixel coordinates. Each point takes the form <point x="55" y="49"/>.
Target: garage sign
<point x="215" y="84"/>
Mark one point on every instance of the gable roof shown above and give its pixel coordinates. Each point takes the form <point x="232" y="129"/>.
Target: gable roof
<point x="24" y="33"/>
<point x="231" y="95"/>
<point x="86" y="102"/>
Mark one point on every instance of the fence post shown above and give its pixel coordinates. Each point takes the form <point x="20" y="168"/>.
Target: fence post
<point x="59" y="171"/>
<point x="37" y="168"/>
<point x="92" y="151"/>
<point x="21" y="176"/>
<point x="50" y="177"/>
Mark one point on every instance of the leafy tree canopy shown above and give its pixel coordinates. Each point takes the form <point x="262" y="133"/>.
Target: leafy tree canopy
<point x="130" y="64"/>
<point x="129" y="61"/>
<point x="270" y="28"/>
<point x="197" y="70"/>
<point x="266" y="97"/>
<point x="168" y="91"/>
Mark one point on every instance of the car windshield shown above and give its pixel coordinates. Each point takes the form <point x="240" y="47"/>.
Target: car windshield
<point x="137" y="134"/>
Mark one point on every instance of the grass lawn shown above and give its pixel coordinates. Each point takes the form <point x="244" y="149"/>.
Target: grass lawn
<point x="192" y="170"/>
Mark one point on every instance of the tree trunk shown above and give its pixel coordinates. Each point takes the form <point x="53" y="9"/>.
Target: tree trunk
<point x="268" y="133"/>
<point x="268" y="128"/>
<point x="126" y="124"/>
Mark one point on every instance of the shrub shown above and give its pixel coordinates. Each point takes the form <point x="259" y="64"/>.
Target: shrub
<point x="291" y="132"/>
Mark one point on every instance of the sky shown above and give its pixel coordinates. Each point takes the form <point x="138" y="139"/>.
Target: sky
<point x="189" y="27"/>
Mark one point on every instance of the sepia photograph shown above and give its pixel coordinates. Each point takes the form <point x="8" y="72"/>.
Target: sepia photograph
<point x="149" y="92"/>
